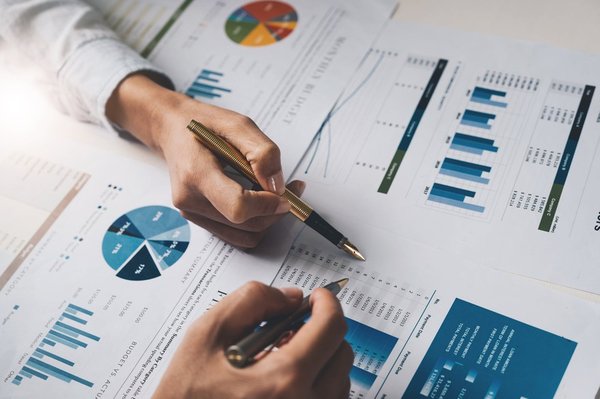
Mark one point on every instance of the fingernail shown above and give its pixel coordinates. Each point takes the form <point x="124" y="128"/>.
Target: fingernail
<point x="292" y="292"/>
<point x="276" y="183"/>
<point x="301" y="187"/>
<point x="283" y="207"/>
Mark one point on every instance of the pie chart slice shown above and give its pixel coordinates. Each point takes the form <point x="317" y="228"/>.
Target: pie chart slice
<point x="145" y="241"/>
<point x="261" y="23"/>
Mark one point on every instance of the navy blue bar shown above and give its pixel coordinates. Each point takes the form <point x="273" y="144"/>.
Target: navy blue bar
<point x="476" y="116"/>
<point x="482" y="92"/>
<point x="35" y="372"/>
<point x="468" y="165"/>
<point x="450" y="189"/>
<point x="473" y="138"/>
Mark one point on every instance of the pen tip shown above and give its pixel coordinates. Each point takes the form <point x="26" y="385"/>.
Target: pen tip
<point x="353" y="250"/>
<point x="342" y="283"/>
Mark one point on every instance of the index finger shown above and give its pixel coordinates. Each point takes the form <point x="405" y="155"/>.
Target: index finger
<point x="318" y="340"/>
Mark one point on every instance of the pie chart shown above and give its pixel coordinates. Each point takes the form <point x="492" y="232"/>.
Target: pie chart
<point x="143" y="243"/>
<point x="261" y="23"/>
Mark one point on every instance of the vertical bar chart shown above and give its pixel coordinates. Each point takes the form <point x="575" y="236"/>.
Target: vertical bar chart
<point x="477" y="119"/>
<point x="486" y="96"/>
<point x="207" y="85"/>
<point x="454" y="196"/>
<point x="49" y="359"/>
<point x="472" y="144"/>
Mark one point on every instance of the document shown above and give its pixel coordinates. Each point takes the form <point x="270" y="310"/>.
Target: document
<point x="109" y="276"/>
<point x="480" y="146"/>
<point x="281" y="63"/>
<point x="102" y="275"/>
<point x="427" y="324"/>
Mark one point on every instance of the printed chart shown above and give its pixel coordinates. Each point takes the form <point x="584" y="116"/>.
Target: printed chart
<point x="49" y="358"/>
<point x="478" y="147"/>
<point x="261" y="23"/>
<point x="207" y="85"/>
<point x="142" y="243"/>
<point x="478" y="353"/>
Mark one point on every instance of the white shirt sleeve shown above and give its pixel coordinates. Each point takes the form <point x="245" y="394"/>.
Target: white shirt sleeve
<point x="84" y="57"/>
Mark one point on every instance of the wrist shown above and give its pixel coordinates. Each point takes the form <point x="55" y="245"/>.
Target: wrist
<point x="139" y="105"/>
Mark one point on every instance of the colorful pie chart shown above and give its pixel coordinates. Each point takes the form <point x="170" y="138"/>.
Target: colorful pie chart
<point x="143" y="243"/>
<point x="261" y="23"/>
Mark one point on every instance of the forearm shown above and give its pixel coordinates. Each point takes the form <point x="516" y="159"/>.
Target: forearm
<point x="80" y="54"/>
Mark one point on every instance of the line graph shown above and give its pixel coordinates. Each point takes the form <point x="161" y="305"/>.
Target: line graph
<point x="374" y="121"/>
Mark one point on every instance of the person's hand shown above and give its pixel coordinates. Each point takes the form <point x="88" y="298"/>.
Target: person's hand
<point x="315" y="363"/>
<point x="200" y="189"/>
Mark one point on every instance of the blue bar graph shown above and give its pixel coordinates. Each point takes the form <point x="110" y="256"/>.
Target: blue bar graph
<point x="206" y="86"/>
<point x="44" y="363"/>
<point x="453" y="196"/>
<point x="371" y="349"/>
<point x="485" y="96"/>
<point x="465" y="170"/>
<point x="477" y="119"/>
<point x="472" y="144"/>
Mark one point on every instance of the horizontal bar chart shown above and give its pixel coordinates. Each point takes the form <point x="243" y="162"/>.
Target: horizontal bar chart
<point x="486" y="96"/>
<point x="206" y="85"/>
<point x="45" y="362"/>
<point x="453" y="196"/>
<point x="477" y="119"/>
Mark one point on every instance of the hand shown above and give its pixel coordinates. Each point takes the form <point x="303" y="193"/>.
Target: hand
<point x="200" y="189"/>
<point x="315" y="363"/>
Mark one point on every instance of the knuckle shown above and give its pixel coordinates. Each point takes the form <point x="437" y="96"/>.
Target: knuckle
<point x="269" y="149"/>
<point x="237" y="212"/>
<point x="244" y="121"/>
<point x="179" y="196"/>
<point x="255" y="289"/>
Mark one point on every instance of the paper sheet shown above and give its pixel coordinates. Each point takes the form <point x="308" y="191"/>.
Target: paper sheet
<point x="481" y="146"/>
<point x="282" y="63"/>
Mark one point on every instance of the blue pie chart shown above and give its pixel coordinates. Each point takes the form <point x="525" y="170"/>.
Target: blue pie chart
<point x="143" y="243"/>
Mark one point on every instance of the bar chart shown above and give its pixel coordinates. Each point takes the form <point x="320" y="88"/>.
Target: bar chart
<point x="471" y="162"/>
<point x="371" y="349"/>
<point x="50" y="358"/>
<point x="207" y="86"/>
<point x="478" y="353"/>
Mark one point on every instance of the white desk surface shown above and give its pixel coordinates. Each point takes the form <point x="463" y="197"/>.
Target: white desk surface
<point x="570" y="24"/>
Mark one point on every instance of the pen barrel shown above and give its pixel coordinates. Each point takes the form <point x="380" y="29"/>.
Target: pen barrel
<point x="233" y="157"/>
<point x="240" y="354"/>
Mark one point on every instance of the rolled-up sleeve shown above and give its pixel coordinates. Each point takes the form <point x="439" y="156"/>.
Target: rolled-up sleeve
<point x="83" y="56"/>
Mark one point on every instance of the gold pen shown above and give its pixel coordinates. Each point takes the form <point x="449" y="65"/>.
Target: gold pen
<point x="299" y="208"/>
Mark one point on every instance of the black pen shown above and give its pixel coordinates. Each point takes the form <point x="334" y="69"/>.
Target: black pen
<point x="270" y="333"/>
<point x="299" y="208"/>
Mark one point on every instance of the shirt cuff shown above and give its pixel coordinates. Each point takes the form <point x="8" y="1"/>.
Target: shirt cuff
<point x="92" y="72"/>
